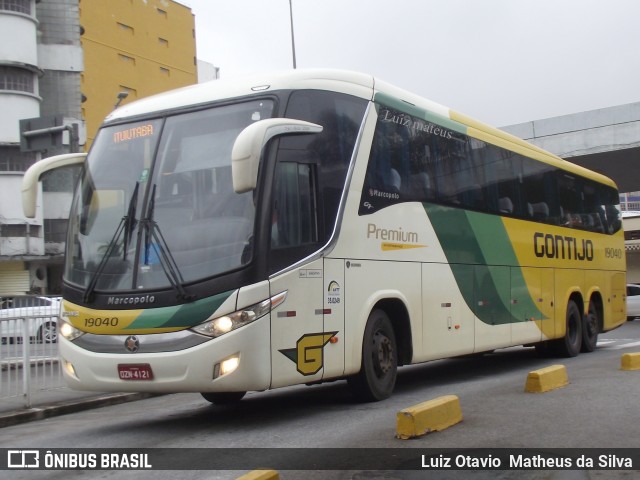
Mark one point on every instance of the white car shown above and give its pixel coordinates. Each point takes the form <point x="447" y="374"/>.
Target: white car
<point x="633" y="301"/>
<point x="40" y="313"/>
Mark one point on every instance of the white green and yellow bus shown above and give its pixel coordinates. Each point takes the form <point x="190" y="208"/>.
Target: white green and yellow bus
<point x="308" y="226"/>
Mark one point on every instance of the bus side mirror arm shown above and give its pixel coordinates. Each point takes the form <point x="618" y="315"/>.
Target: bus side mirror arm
<point x="35" y="171"/>
<point x="247" y="149"/>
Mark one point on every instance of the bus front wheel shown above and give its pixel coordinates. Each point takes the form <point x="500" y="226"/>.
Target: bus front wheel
<point x="223" y="398"/>
<point x="377" y="376"/>
<point x="570" y="344"/>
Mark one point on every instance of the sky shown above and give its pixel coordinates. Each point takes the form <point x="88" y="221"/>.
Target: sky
<point x="500" y="61"/>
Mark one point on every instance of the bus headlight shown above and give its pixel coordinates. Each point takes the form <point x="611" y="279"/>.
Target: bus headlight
<point x="68" y="331"/>
<point x="227" y="323"/>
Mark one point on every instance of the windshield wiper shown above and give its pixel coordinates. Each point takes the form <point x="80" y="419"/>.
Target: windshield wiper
<point x="161" y="249"/>
<point x="126" y="225"/>
<point x="130" y="222"/>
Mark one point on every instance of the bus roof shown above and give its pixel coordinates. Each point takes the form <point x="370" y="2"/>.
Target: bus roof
<point x="353" y="83"/>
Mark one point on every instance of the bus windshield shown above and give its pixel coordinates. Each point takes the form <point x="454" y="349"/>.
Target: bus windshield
<point x="155" y="206"/>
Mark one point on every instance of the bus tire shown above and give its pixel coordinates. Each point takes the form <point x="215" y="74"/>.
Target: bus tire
<point x="590" y="328"/>
<point x="377" y="377"/>
<point x="223" y="398"/>
<point x="570" y="344"/>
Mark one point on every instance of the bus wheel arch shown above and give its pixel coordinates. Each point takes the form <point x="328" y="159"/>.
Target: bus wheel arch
<point x="384" y="348"/>
<point x="592" y="323"/>
<point x="399" y="316"/>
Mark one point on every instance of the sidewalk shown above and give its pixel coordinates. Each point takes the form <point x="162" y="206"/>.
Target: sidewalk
<point x="60" y="401"/>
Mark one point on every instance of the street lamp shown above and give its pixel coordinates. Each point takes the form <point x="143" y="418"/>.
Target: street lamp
<point x="293" y="43"/>
<point x="121" y="97"/>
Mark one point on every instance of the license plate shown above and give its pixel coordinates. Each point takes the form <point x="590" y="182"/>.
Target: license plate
<point x="139" y="371"/>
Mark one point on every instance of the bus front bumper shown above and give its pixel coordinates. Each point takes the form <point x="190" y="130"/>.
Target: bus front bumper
<point x="237" y="361"/>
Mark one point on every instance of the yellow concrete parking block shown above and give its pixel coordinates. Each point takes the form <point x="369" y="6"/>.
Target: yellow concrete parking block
<point x="260" y="475"/>
<point x="630" y="361"/>
<point x="430" y="416"/>
<point x="546" y="379"/>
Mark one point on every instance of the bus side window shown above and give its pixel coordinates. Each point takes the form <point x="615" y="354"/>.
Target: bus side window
<point x="294" y="220"/>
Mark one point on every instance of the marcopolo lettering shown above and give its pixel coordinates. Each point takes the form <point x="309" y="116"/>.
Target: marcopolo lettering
<point x="139" y="300"/>
<point x="562" y="247"/>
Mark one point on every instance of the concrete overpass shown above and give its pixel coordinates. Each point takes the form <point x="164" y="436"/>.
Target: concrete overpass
<point x="605" y="140"/>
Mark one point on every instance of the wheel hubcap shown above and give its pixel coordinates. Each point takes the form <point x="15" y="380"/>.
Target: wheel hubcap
<point x="383" y="350"/>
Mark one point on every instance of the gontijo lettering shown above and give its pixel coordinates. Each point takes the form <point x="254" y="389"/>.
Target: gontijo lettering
<point x="562" y="247"/>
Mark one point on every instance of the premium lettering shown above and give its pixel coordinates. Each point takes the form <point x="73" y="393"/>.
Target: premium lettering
<point x="398" y="235"/>
<point x="562" y="247"/>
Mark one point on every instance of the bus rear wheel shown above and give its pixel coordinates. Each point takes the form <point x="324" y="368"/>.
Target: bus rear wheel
<point x="570" y="345"/>
<point x="223" y="398"/>
<point x="377" y="377"/>
<point x="590" y="328"/>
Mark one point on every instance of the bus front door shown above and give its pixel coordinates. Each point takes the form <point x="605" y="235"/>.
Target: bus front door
<point x="297" y="334"/>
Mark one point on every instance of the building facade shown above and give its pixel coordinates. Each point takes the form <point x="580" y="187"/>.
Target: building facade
<point x="40" y="65"/>
<point x="68" y="61"/>
<point x="133" y="47"/>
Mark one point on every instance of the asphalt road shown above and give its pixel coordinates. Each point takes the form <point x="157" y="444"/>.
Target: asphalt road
<point x="598" y="409"/>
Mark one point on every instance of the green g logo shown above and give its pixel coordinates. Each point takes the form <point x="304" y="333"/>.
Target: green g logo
<point x="309" y="352"/>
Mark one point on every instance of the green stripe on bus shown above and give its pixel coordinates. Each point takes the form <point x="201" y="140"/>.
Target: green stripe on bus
<point x="484" y="264"/>
<point x="186" y="315"/>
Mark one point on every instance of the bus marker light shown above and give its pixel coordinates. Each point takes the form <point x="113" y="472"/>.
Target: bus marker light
<point x="229" y="365"/>
<point x="226" y="366"/>
<point x="333" y="339"/>
<point x="68" y="366"/>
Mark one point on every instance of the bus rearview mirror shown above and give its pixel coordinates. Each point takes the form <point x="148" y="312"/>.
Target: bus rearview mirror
<point x="35" y="171"/>
<point x="247" y="149"/>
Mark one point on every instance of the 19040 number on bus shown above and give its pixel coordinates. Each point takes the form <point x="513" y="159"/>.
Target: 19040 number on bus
<point x="101" y="322"/>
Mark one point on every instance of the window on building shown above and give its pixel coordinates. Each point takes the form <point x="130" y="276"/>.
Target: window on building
<point x="127" y="59"/>
<point x="12" y="160"/>
<point x="19" y="230"/>
<point x="55" y="230"/>
<point x="20" y="6"/>
<point x="17" y="79"/>
<point x="126" y="28"/>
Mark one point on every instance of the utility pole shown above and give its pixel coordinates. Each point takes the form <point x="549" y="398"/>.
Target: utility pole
<point x="293" y="43"/>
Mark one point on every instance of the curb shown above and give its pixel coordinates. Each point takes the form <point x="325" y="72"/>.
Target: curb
<point x="546" y="379"/>
<point x="430" y="416"/>
<point x="630" y="361"/>
<point x="260" y="475"/>
<point x="66" y="407"/>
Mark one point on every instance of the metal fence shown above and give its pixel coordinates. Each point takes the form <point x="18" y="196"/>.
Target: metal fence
<point x="28" y="347"/>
